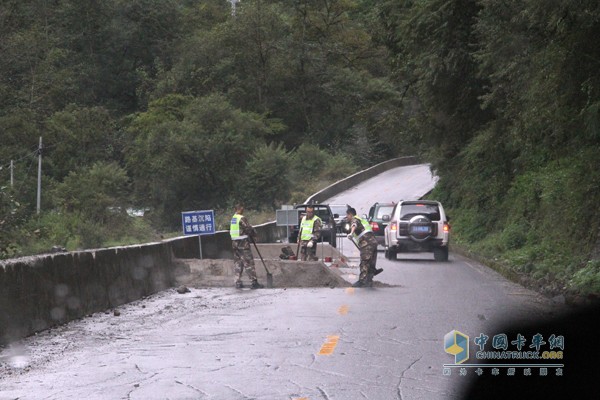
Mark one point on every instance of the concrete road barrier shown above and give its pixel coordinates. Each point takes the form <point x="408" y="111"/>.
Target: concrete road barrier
<point x="39" y="292"/>
<point x="286" y="274"/>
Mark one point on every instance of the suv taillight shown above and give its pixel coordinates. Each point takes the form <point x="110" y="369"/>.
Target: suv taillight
<point x="375" y="226"/>
<point x="446" y="227"/>
<point x="393" y="227"/>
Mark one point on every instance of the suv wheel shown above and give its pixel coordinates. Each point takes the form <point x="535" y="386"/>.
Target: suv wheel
<point x="390" y="254"/>
<point x="440" y="253"/>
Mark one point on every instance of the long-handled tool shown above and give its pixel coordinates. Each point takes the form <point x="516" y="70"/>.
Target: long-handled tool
<point x="298" y="248"/>
<point x="377" y="270"/>
<point x="354" y="243"/>
<point x="269" y="274"/>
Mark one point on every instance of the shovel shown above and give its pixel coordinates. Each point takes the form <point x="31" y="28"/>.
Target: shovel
<point x="269" y="274"/>
<point x="377" y="270"/>
<point x="354" y="243"/>
<point x="298" y="248"/>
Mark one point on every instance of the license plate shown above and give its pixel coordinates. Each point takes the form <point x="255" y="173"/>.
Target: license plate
<point x="419" y="229"/>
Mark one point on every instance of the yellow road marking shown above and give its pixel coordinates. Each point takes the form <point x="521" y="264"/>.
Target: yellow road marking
<point x="350" y="290"/>
<point x="329" y="346"/>
<point x="343" y="310"/>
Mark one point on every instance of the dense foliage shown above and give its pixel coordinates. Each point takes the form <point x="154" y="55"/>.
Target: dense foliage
<point x="504" y="97"/>
<point x="167" y="105"/>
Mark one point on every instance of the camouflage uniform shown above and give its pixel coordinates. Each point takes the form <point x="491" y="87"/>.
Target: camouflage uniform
<point x="310" y="253"/>
<point x="242" y="253"/>
<point x="368" y="252"/>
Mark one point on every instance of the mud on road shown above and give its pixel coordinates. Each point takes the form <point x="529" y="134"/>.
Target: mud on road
<point x="100" y="330"/>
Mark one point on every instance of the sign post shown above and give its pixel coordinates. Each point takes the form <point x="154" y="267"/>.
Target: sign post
<point x="198" y="223"/>
<point x="286" y="216"/>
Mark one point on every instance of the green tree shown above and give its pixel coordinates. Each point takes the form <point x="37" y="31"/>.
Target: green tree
<point x="543" y="72"/>
<point x="332" y="58"/>
<point x="31" y="70"/>
<point x="432" y="54"/>
<point x="266" y="176"/>
<point x="243" y="56"/>
<point x="20" y="138"/>
<point x="78" y="137"/>
<point x="99" y="193"/>
<point x="313" y="66"/>
<point x="10" y="217"/>
<point x="188" y="153"/>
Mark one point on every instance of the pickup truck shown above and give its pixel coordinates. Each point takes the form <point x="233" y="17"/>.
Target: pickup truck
<point x="323" y="211"/>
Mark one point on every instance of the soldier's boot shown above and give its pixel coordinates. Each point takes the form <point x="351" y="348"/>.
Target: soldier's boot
<point x="368" y="282"/>
<point x="256" y="285"/>
<point x="239" y="285"/>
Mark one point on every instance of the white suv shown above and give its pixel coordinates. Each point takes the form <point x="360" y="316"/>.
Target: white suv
<point x="418" y="226"/>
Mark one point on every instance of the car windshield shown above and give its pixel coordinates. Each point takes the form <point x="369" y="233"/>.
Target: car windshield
<point x="384" y="210"/>
<point x="408" y="211"/>
<point x="339" y="209"/>
<point x="321" y="212"/>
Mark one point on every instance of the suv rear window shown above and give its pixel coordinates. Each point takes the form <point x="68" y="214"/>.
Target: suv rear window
<point x="383" y="210"/>
<point x="408" y="211"/>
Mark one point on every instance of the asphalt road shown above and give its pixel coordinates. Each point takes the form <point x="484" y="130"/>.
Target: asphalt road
<point x="321" y="343"/>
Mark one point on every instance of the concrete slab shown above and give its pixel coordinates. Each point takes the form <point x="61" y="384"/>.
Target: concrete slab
<point x="271" y="251"/>
<point x="286" y="274"/>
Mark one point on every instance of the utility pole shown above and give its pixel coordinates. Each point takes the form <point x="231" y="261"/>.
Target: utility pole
<point x="39" y="183"/>
<point x="12" y="168"/>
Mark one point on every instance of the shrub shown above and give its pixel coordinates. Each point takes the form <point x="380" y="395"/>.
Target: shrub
<point x="266" y="178"/>
<point x="587" y="279"/>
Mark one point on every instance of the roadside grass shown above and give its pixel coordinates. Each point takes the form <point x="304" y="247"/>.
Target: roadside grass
<point x="73" y="232"/>
<point x="542" y="229"/>
<point x="550" y="264"/>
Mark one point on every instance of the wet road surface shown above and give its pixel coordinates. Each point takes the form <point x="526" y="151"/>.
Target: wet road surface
<point x="318" y="343"/>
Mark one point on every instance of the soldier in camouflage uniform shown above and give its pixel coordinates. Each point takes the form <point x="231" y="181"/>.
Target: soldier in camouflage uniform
<point x="309" y="234"/>
<point x="361" y="233"/>
<point x="240" y="231"/>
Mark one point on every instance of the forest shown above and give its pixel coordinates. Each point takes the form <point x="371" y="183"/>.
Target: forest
<point x="172" y="105"/>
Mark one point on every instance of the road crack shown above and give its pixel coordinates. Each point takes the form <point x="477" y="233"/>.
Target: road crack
<point x="402" y="377"/>
<point x="238" y="392"/>
<point x="202" y="392"/>
<point x="323" y="393"/>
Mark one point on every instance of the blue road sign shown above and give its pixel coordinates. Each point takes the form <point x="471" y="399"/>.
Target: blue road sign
<point x="198" y="222"/>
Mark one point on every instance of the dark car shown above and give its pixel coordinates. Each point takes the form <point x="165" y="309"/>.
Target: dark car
<point x="323" y="211"/>
<point x="379" y="217"/>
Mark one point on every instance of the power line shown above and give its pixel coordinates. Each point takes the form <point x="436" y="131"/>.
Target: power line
<point x="34" y="153"/>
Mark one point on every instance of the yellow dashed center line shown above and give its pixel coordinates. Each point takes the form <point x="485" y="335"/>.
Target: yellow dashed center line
<point x="343" y="310"/>
<point x="350" y="290"/>
<point x="329" y="346"/>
